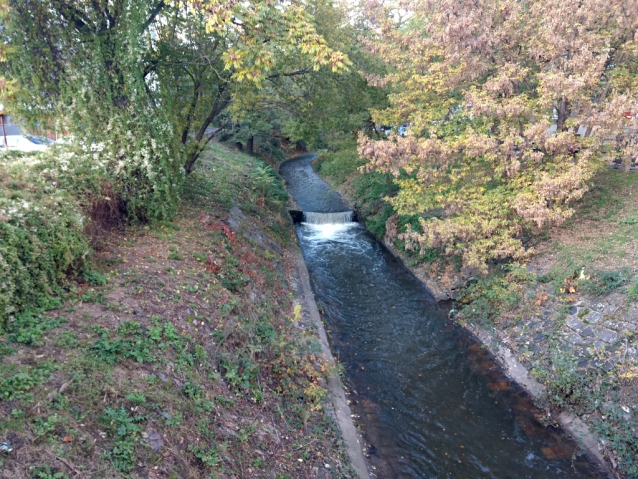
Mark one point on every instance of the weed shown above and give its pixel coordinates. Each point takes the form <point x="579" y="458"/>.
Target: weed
<point x="485" y="299"/>
<point x="567" y="386"/>
<point x="94" y="296"/>
<point x="209" y="456"/>
<point x="136" y="398"/>
<point x="16" y="386"/>
<point x="6" y="350"/>
<point x="67" y="340"/>
<point x="45" y="472"/>
<point x="29" y="327"/>
<point x="621" y="437"/>
<point x="95" y="278"/>
<point x="43" y="427"/>
<point x="174" y="254"/>
<point x="224" y="401"/>
<point x="132" y="343"/>
<point x="602" y="282"/>
<point x="201" y="257"/>
<point x="18" y="414"/>
<point x="231" y="276"/>
<point x="174" y="420"/>
<point x="127" y="432"/>
<point x="193" y="391"/>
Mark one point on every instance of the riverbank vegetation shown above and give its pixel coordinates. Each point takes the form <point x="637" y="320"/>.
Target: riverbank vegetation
<point x="177" y="353"/>
<point x="475" y="137"/>
<point x="146" y="308"/>
<point x="499" y="184"/>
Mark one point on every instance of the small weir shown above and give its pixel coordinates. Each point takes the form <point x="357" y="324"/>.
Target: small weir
<point x="340" y="218"/>
<point x="431" y="402"/>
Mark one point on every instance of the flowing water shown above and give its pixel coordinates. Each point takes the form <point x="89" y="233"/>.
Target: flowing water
<point x="431" y="402"/>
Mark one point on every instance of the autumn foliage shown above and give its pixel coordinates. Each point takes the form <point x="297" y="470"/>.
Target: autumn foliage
<point x="512" y="107"/>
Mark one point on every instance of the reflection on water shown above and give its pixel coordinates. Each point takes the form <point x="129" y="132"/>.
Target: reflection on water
<point x="432" y="403"/>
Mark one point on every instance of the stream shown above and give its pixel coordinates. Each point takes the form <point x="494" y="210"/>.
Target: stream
<point x="430" y="401"/>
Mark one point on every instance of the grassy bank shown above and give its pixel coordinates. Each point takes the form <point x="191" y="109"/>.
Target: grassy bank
<point x="570" y="315"/>
<point x="176" y="355"/>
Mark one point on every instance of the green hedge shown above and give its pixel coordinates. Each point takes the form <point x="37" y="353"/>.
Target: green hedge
<point x="41" y="236"/>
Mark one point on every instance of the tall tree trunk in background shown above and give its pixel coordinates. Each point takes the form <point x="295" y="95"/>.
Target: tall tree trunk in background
<point x="564" y="110"/>
<point x="250" y="145"/>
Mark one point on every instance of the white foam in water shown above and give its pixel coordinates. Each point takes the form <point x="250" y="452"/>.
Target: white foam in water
<point x="329" y="226"/>
<point x="328" y="218"/>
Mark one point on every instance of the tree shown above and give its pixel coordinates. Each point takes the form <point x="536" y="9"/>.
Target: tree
<point x="301" y="103"/>
<point x="480" y="82"/>
<point x="78" y="64"/>
<point x="182" y="63"/>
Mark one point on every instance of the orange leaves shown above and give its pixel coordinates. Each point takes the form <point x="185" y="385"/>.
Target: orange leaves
<point x="509" y="107"/>
<point x="218" y="226"/>
<point x="540" y="299"/>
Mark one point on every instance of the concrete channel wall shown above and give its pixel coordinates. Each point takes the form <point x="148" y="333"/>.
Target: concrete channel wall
<point x="510" y="364"/>
<point x="341" y="409"/>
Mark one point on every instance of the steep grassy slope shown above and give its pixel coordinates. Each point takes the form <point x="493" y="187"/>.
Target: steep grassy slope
<point x="178" y="356"/>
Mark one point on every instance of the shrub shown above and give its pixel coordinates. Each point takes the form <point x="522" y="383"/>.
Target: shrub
<point x="341" y="162"/>
<point x="41" y="236"/>
<point x="567" y="385"/>
<point x="53" y="201"/>
<point x="484" y="300"/>
<point x="602" y="282"/>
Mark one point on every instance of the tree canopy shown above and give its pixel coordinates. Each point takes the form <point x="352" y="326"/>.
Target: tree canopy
<point x="183" y="61"/>
<point x="141" y="86"/>
<point x="512" y="107"/>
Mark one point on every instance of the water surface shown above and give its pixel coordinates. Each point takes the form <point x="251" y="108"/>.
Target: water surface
<point x="432" y="403"/>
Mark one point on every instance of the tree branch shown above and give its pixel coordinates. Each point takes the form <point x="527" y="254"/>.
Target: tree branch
<point x="154" y="13"/>
<point x="74" y="16"/>
<point x="303" y="71"/>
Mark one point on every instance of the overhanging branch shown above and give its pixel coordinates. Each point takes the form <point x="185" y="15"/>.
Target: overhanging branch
<point x="158" y="8"/>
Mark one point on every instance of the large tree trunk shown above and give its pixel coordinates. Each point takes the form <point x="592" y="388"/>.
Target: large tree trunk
<point x="388" y="180"/>
<point x="564" y="110"/>
<point x="250" y="144"/>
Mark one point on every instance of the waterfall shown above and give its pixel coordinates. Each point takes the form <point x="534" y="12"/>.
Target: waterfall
<point x="341" y="217"/>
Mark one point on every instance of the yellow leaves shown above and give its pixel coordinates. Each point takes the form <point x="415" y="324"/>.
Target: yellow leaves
<point x="630" y="373"/>
<point x="262" y="28"/>
<point x="296" y="313"/>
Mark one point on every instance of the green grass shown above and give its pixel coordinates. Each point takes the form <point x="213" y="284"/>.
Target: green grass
<point x="171" y="363"/>
<point x="595" y="250"/>
<point x="225" y="178"/>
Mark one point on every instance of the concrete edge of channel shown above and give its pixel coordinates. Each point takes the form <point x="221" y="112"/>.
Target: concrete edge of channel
<point x="568" y="421"/>
<point x="512" y="366"/>
<point x="574" y="426"/>
<point x="342" y="412"/>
